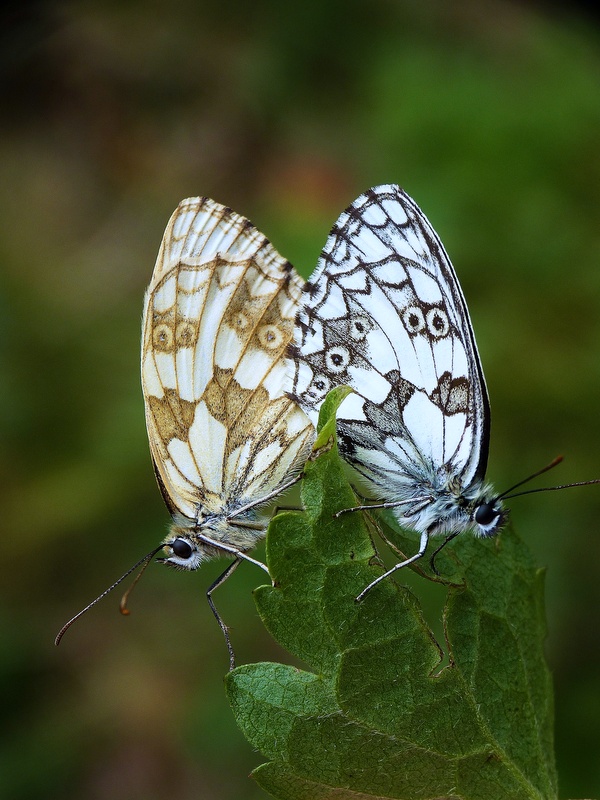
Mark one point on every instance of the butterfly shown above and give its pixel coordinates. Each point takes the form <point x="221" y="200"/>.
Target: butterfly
<point x="384" y="313"/>
<point x="225" y="437"/>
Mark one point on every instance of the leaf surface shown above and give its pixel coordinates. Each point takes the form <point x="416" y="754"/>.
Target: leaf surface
<point x="383" y="710"/>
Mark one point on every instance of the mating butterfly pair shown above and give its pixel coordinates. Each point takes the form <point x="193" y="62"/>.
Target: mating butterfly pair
<point x="231" y="403"/>
<point x="237" y="357"/>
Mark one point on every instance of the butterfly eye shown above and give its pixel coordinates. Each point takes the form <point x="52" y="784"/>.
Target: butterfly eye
<point x="181" y="548"/>
<point x="486" y="514"/>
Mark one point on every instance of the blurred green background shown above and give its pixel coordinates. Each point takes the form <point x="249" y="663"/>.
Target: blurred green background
<point x="487" y="113"/>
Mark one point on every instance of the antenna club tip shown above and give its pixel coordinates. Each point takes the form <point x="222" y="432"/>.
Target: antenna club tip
<point x="59" y="636"/>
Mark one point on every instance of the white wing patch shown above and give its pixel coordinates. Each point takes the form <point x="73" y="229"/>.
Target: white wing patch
<point x="218" y="317"/>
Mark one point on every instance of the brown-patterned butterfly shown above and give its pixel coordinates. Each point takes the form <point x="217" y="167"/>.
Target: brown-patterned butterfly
<point x="224" y="435"/>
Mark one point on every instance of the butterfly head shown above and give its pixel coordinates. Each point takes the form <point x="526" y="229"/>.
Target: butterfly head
<point x="480" y="507"/>
<point x="182" y="552"/>
<point x="183" y="548"/>
<point x="211" y="535"/>
<point x="489" y="517"/>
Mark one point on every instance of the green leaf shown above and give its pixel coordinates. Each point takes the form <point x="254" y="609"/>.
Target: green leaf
<point x="383" y="710"/>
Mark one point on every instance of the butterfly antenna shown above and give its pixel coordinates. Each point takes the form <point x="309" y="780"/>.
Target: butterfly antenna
<point x="145" y="561"/>
<point x="555" y="488"/>
<point x="506" y="494"/>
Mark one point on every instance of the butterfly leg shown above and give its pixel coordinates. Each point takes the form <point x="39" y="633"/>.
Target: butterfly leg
<point x="441" y="547"/>
<point x="239" y="555"/>
<point x="394" y="504"/>
<point x="416" y="557"/>
<point x="220" y="580"/>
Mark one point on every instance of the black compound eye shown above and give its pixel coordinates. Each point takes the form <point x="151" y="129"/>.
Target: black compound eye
<point x="486" y="513"/>
<point x="181" y="548"/>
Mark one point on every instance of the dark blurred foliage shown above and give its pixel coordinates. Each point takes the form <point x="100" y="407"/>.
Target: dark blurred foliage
<point x="488" y="113"/>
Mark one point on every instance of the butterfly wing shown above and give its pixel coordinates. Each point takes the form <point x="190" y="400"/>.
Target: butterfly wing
<point x="385" y="314"/>
<point x="218" y="317"/>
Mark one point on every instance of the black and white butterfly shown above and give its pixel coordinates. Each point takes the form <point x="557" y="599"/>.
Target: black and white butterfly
<point x="384" y="313"/>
